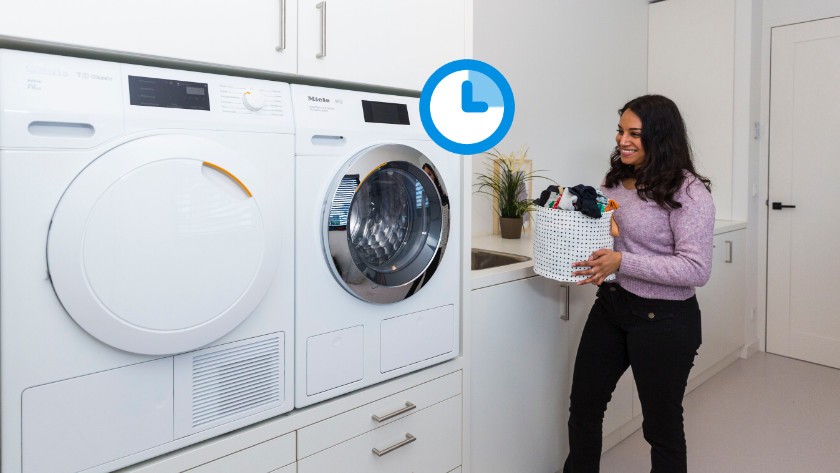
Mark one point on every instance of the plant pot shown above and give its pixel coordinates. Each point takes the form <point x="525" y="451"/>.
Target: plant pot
<point x="511" y="228"/>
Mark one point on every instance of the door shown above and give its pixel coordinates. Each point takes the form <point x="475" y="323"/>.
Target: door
<point x="382" y="42"/>
<point x="386" y="223"/>
<point x="255" y="34"/>
<point x="802" y="260"/>
<point x="164" y="244"/>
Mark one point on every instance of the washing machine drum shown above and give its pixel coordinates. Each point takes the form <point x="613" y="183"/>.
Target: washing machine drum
<point x="164" y="244"/>
<point x="386" y="223"/>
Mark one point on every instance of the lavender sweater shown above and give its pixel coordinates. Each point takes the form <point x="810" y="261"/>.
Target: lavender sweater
<point x="665" y="254"/>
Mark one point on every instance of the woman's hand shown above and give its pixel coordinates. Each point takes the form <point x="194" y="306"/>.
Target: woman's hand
<point x="602" y="263"/>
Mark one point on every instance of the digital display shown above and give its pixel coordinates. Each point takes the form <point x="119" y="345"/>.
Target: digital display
<point x="167" y="93"/>
<point x="384" y="112"/>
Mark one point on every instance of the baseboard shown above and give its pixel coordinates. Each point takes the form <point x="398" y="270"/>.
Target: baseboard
<point x="750" y="349"/>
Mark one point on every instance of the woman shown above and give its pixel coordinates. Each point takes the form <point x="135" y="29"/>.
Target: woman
<point x="648" y="319"/>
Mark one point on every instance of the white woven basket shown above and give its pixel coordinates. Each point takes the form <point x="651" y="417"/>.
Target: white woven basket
<point x="562" y="237"/>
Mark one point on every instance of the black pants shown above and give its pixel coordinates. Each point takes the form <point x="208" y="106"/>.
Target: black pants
<point x="659" y="340"/>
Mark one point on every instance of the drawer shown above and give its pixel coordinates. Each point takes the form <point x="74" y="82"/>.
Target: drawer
<point x="329" y="432"/>
<point x="293" y="469"/>
<point x="263" y="457"/>
<point x="436" y="447"/>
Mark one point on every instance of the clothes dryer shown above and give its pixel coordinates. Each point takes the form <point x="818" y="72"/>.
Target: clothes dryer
<point x="378" y="242"/>
<point x="146" y="259"/>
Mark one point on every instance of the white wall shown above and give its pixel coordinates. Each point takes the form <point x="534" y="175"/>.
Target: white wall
<point x="691" y="60"/>
<point x="571" y="65"/>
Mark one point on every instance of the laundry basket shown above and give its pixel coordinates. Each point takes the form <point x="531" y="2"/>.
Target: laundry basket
<point x="562" y="237"/>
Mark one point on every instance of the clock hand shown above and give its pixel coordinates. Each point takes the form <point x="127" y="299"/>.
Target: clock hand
<point x="467" y="103"/>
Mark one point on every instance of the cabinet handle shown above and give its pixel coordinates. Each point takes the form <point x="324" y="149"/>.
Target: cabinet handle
<point x="408" y="406"/>
<point x="282" y="45"/>
<point x="565" y="316"/>
<point x="323" y="7"/>
<point x="728" y="252"/>
<point x="408" y="439"/>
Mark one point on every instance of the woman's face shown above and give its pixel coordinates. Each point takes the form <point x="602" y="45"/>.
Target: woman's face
<point x="629" y="139"/>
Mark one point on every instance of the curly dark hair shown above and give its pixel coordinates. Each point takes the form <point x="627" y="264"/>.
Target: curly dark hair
<point x="667" y="152"/>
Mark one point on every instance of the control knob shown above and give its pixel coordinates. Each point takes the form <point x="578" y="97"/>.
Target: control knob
<point x="253" y="100"/>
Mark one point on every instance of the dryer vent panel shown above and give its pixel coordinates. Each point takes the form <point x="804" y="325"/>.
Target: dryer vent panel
<point x="221" y="384"/>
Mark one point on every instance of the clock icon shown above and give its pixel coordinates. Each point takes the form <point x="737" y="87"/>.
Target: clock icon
<point x="467" y="107"/>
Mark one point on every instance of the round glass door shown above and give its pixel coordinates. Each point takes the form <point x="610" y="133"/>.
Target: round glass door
<point x="386" y="223"/>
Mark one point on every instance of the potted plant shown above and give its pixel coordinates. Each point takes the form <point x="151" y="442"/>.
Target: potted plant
<point x="506" y="183"/>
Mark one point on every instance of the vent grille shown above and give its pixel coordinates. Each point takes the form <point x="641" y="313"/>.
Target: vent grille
<point x="229" y="382"/>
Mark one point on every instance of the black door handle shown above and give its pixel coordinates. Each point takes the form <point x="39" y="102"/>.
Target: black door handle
<point x="779" y="206"/>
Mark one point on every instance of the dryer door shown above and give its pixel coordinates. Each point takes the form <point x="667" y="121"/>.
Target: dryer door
<point x="386" y="222"/>
<point x="164" y="244"/>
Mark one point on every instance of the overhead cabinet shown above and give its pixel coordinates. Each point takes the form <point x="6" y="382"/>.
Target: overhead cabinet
<point x="377" y="42"/>
<point x="254" y="34"/>
<point x="384" y="42"/>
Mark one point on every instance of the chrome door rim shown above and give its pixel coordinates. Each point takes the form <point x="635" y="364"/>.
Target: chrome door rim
<point x="348" y="266"/>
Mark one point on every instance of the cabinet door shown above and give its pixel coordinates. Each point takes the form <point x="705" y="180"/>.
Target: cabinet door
<point x="382" y="42"/>
<point x="241" y="34"/>
<point x="722" y="302"/>
<point x="263" y="457"/>
<point x="519" y="377"/>
<point x="428" y="441"/>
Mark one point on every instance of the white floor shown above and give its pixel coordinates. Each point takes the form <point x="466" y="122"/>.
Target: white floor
<point x="766" y="414"/>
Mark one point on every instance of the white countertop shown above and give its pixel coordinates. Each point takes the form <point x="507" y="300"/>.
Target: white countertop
<point x="525" y="246"/>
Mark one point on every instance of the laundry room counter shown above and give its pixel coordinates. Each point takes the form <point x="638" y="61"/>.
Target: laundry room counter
<point x="525" y="246"/>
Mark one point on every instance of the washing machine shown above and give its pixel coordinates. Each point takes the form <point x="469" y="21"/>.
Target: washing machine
<point x="146" y="259"/>
<point x="377" y="291"/>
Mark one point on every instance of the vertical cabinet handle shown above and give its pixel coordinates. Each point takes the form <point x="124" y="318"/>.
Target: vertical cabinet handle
<point x="408" y="406"/>
<point x="282" y="45"/>
<point x="408" y="439"/>
<point x="728" y="252"/>
<point x="323" y="7"/>
<point x="565" y="314"/>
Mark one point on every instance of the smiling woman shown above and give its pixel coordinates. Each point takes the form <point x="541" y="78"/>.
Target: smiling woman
<point x="649" y="318"/>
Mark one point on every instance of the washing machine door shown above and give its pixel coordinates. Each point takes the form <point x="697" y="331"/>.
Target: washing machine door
<point x="164" y="244"/>
<point x="386" y="223"/>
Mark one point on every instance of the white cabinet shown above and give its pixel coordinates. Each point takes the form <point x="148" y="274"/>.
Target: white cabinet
<point x="327" y="433"/>
<point x="519" y="377"/>
<point x="240" y="34"/>
<point x="723" y="306"/>
<point x="398" y="44"/>
<point x="396" y="426"/>
<point x="268" y="456"/>
<point x="428" y="441"/>
<point x="379" y="42"/>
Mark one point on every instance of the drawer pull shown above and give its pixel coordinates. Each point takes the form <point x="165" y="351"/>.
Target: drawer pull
<point x="408" y="406"/>
<point x="408" y="439"/>
<point x="323" y="7"/>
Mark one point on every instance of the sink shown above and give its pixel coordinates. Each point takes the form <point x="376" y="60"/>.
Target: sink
<point x="484" y="259"/>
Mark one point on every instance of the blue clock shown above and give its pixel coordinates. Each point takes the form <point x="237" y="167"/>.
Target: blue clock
<point x="467" y="106"/>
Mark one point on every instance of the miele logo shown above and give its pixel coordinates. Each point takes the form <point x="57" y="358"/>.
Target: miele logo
<point x="47" y="71"/>
<point x="318" y="99"/>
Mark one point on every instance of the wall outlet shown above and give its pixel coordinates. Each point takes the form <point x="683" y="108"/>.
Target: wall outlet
<point x="752" y="313"/>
